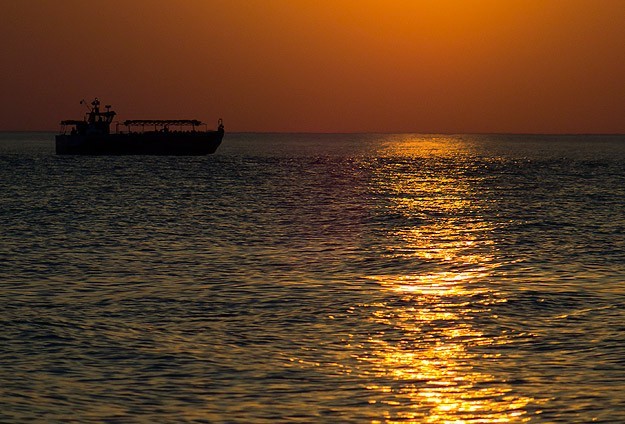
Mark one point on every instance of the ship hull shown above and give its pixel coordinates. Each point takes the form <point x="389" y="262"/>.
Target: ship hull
<point x="149" y="143"/>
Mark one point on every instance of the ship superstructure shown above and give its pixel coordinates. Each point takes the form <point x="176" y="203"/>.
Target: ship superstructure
<point x="93" y="135"/>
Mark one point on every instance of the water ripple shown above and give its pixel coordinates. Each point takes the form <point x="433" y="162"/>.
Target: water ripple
<point x="309" y="278"/>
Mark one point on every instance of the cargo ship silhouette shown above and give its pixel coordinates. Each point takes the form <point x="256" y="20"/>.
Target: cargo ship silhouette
<point x="93" y="135"/>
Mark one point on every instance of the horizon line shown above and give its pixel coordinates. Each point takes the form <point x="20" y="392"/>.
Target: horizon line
<point x="386" y="133"/>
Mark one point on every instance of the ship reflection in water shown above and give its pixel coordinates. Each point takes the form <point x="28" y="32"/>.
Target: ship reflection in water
<point x="432" y="363"/>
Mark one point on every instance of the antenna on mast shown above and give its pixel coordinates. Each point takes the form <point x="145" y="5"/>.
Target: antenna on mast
<point x="83" y="102"/>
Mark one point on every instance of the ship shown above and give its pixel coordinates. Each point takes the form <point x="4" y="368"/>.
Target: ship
<point x="93" y="135"/>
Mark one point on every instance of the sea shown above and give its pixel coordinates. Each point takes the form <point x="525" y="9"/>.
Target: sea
<point x="315" y="278"/>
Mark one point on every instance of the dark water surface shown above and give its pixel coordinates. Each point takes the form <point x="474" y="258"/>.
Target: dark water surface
<point x="315" y="278"/>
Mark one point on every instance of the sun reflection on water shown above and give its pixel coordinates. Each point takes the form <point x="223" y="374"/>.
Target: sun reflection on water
<point x="430" y="371"/>
<point x="432" y="365"/>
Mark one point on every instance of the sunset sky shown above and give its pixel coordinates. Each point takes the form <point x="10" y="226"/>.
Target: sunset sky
<point x="450" y="66"/>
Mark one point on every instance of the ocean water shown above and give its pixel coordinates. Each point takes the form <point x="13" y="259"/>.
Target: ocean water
<point x="390" y="278"/>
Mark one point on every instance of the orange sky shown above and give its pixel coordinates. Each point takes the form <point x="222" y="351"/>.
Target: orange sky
<point x="320" y="65"/>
